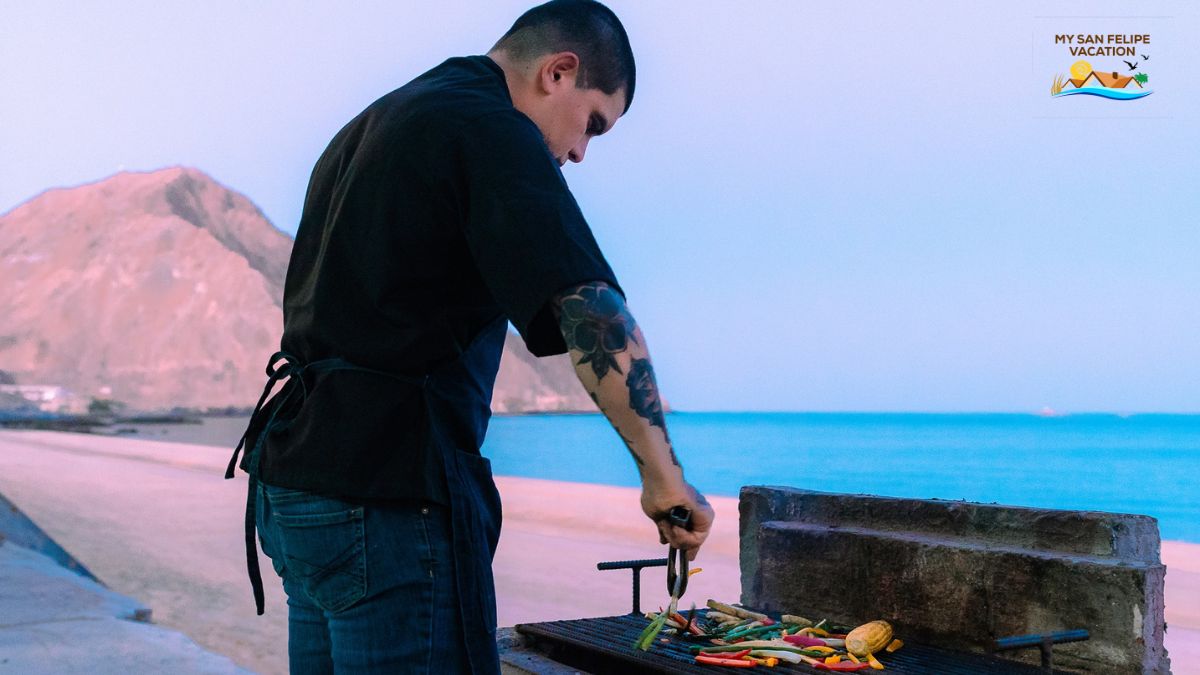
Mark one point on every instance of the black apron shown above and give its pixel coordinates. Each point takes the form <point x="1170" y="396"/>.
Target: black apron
<point x="474" y="501"/>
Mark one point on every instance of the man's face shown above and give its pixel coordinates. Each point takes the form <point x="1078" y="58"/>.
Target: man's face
<point x="572" y="117"/>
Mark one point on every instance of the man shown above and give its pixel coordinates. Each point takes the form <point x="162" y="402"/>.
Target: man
<point x="434" y="218"/>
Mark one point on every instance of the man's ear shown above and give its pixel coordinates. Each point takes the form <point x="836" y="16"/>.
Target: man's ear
<point x="558" y="70"/>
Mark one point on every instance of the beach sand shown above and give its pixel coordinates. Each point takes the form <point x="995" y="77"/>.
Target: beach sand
<point x="158" y="522"/>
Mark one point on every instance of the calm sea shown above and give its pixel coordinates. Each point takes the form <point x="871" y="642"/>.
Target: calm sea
<point x="1147" y="464"/>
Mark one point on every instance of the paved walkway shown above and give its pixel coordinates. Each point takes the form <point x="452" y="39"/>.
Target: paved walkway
<point x="53" y="620"/>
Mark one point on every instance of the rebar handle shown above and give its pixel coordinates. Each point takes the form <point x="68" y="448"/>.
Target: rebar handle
<point x="1043" y="641"/>
<point x="636" y="566"/>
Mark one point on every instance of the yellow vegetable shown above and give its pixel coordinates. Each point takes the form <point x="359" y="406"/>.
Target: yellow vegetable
<point x="894" y="645"/>
<point x="823" y="650"/>
<point x="869" y="637"/>
<point x="853" y="657"/>
<point x="874" y="662"/>
<point x="830" y="660"/>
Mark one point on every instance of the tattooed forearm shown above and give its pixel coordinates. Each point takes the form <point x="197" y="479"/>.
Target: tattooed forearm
<point x="595" y="322"/>
<point x="604" y="339"/>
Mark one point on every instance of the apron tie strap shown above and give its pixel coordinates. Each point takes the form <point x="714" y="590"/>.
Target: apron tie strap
<point x="291" y="366"/>
<point x="291" y="370"/>
<point x="256" y="582"/>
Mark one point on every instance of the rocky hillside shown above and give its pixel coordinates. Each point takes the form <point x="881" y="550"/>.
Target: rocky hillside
<point x="164" y="289"/>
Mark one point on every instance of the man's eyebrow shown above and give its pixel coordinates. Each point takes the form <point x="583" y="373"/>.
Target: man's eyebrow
<point x="600" y="122"/>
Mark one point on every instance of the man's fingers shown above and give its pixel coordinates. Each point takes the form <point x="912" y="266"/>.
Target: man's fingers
<point x="681" y="538"/>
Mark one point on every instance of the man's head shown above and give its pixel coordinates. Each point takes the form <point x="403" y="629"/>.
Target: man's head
<point x="569" y="69"/>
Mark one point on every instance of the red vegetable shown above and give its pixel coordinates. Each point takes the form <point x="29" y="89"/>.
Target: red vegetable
<point x="691" y="626"/>
<point x="726" y="655"/>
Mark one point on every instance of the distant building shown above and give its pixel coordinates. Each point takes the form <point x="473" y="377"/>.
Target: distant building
<point x="47" y="397"/>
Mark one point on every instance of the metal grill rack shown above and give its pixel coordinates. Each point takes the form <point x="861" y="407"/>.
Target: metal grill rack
<point x="604" y="646"/>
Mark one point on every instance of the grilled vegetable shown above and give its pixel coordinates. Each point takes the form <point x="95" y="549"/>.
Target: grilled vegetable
<point x="647" y="637"/>
<point x="773" y="645"/>
<point x="834" y="642"/>
<point x="728" y="663"/>
<point x="869" y="637"/>
<point x="727" y="655"/>
<point x="821" y="649"/>
<point x="790" y="657"/>
<point x="796" y="620"/>
<point x="736" y="611"/>
<point x="804" y="640"/>
<point x="844" y="666"/>
<point x="874" y="662"/>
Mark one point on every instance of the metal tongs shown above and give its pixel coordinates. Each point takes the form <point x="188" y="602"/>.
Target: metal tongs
<point x="677" y="575"/>
<point x="677" y="565"/>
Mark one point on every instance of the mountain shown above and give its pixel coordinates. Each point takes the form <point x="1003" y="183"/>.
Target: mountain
<point x="164" y="289"/>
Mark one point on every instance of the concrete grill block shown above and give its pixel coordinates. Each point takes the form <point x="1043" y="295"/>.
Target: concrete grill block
<point x="959" y="575"/>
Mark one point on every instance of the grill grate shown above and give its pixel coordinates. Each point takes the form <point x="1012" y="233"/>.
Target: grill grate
<point x="603" y="646"/>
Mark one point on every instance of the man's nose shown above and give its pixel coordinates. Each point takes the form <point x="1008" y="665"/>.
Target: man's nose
<point x="576" y="154"/>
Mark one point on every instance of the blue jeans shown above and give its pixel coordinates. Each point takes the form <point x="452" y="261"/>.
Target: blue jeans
<point x="371" y="589"/>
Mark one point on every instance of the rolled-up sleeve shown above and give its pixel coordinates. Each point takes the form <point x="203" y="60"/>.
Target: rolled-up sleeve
<point x="524" y="229"/>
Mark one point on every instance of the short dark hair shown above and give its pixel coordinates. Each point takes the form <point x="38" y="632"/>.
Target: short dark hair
<point x="587" y="28"/>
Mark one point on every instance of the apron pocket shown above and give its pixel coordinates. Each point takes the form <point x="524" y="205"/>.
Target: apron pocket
<point x="321" y="540"/>
<point x="482" y="488"/>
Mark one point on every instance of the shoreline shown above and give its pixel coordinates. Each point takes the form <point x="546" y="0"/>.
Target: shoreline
<point x="156" y="521"/>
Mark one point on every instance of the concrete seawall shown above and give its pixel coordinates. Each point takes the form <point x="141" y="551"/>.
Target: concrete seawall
<point x="56" y="617"/>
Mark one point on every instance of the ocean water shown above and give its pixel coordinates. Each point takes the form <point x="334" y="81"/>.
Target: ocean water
<point x="1147" y="464"/>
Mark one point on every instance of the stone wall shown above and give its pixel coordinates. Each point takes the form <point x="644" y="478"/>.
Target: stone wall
<point x="959" y="574"/>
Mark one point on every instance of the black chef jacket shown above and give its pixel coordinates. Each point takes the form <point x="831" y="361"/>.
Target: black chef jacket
<point x="434" y="215"/>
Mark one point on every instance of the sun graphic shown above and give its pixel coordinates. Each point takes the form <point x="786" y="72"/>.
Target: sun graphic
<point x="1080" y="70"/>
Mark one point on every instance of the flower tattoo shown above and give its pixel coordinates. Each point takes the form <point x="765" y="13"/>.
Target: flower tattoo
<point x="595" y="322"/>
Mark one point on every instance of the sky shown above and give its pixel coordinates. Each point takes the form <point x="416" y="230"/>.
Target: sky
<point x="860" y="206"/>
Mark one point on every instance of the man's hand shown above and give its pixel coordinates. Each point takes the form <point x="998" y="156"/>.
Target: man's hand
<point x="611" y="359"/>
<point x="657" y="503"/>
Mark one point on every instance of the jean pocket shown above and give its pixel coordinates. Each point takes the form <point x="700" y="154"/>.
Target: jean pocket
<point x="321" y="540"/>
